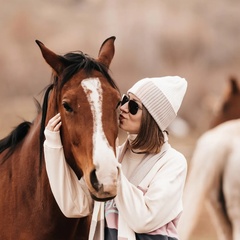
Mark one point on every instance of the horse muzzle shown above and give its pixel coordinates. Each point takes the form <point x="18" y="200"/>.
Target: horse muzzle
<point x="104" y="184"/>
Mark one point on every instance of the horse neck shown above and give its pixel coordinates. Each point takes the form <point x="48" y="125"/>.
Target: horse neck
<point x="32" y="140"/>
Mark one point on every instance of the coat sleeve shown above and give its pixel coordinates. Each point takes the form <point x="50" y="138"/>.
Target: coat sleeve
<point x="71" y="195"/>
<point x="159" y="204"/>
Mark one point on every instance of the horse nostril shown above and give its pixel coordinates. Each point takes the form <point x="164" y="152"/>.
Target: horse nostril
<point x="94" y="181"/>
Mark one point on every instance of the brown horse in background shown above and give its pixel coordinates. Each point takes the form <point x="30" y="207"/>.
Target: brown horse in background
<point x="86" y="97"/>
<point x="213" y="176"/>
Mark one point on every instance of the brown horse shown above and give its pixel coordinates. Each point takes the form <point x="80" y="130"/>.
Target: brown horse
<point x="86" y="96"/>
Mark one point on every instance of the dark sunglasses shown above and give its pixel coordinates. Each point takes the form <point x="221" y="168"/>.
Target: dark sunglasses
<point x="132" y="105"/>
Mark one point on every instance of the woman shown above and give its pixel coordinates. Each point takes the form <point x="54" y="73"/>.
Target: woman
<point x="152" y="174"/>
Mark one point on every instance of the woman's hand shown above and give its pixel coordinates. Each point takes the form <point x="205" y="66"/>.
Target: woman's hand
<point x="54" y="123"/>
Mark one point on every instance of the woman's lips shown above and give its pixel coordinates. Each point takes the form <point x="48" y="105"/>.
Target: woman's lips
<point x="121" y="118"/>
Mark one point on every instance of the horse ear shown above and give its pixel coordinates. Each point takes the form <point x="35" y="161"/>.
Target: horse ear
<point x="107" y="51"/>
<point x="234" y="85"/>
<point x="58" y="63"/>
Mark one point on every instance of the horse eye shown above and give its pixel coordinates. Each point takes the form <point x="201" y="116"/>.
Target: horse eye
<point x="67" y="107"/>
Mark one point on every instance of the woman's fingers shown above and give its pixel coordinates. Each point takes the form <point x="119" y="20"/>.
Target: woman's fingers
<point x="54" y="123"/>
<point x="57" y="127"/>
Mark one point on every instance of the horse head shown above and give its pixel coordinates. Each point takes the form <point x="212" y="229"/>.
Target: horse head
<point x="229" y="108"/>
<point x="86" y="97"/>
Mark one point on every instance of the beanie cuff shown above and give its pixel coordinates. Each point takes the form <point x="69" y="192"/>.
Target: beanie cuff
<point x="161" y="111"/>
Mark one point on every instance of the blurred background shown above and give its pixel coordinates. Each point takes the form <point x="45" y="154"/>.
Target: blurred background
<point x="198" y="40"/>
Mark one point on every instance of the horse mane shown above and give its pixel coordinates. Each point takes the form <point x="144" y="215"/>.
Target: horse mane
<point x="16" y="136"/>
<point x="75" y="62"/>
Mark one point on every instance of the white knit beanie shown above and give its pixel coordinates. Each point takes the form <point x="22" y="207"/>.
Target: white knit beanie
<point x="161" y="96"/>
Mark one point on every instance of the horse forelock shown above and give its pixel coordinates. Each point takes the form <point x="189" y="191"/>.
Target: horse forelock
<point x="78" y="61"/>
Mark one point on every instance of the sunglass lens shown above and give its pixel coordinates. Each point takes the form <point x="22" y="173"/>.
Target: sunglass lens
<point x="133" y="107"/>
<point x="124" y="100"/>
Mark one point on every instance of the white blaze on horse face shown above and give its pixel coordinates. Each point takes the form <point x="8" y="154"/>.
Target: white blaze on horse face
<point x="103" y="155"/>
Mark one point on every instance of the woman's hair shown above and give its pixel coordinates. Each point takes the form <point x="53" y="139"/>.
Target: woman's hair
<point x="150" y="137"/>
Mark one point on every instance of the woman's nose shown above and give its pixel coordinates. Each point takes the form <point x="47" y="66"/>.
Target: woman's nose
<point x="124" y="107"/>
